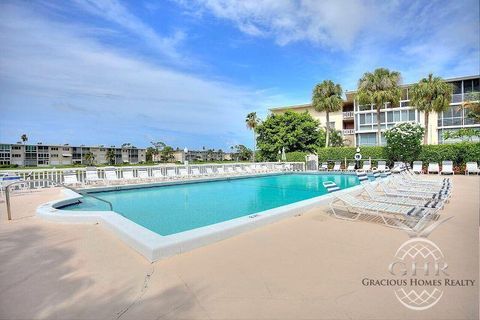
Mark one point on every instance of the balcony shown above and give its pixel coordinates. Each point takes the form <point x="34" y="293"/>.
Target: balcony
<point x="348" y="115"/>
<point x="348" y="132"/>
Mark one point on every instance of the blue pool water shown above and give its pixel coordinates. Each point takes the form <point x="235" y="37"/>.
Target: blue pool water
<point x="176" y="208"/>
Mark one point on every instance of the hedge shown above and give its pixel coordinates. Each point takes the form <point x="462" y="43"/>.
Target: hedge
<point x="459" y="153"/>
<point x="296" y="156"/>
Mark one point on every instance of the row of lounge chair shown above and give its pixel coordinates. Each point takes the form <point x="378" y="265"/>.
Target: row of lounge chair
<point x="143" y="175"/>
<point x="404" y="201"/>
<point x="433" y="167"/>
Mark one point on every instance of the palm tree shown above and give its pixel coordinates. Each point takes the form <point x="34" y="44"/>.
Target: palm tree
<point x="327" y="96"/>
<point x="473" y="106"/>
<point x="89" y="157"/>
<point x="379" y="87"/>
<point x="252" y="122"/>
<point x="110" y="156"/>
<point x="430" y="94"/>
<point x="24" y="138"/>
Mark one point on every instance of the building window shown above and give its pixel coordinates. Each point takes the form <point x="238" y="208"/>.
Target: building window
<point x="66" y="149"/>
<point x="442" y="140"/>
<point x="54" y="148"/>
<point x="16" y="148"/>
<point x="4" y="147"/>
<point x="16" y="155"/>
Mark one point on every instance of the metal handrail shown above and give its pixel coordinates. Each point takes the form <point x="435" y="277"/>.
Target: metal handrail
<point x="7" y="193"/>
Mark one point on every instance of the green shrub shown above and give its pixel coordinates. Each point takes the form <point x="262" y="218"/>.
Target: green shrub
<point x="459" y="153"/>
<point x="296" y="156"/>
<point x="340" y="153"/>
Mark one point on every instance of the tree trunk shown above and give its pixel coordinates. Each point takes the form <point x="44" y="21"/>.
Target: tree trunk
<point x="254" y="145"/>
<point x="327" y="135"/>
<point x="379" y="128"/>
<point x="425" y="138"/>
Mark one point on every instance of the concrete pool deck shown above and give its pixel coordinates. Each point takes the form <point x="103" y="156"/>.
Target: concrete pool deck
<point x="306" y="267"/>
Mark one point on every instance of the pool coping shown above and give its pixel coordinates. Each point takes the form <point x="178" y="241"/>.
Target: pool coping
<point x="154" y="246"/>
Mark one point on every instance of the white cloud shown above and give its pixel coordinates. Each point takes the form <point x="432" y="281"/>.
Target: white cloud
<point x="333" y="23"/>
<point x="116" y="12"/>
<point x="63" y="85"/>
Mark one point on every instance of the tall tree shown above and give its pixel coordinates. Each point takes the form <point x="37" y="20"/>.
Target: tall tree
<point x="110" y="156"/>
<point x="430" y="94"/>
<point x="378" y="88"/>
<point x="290" y="130"/>
<point x="24" y="138"/>
<point x="327" y="97"/>
<point x="89" y="157"/>
<point x="252" y="122"/>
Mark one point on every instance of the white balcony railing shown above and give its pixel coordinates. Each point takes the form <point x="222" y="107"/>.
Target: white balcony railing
<point x="348" y="114"/>
<point x="347" y="132"/>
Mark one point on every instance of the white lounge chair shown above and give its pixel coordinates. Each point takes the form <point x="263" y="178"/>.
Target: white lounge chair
<point x="447" y="167"/>
<point x="337" y="166"/>
<point x="111" y="175"/>
<point x="91" y="176"/>
<point x="323" y="167"/>
<point x="171" y="173"/>
<point x="221" y="171"/>
<point x="367" y="165"/>
<point x="158" y="174"/>
<point x="209" y="171"/>
<point x="433" y="167"/>
<point x="417" y="167"/>
<point x="398" y="166"/>
<point x="196" y="172"/>
<point x="127" y="175"/>
<point x="423" y="181"/>
<point x="70" y="179"/>
<point x="472" y="167"/>
<point x="393" y="215"/>
<point x="142" y="174"/>
<point x="381" y="165"/>
<point x="399" y="199"/>
<point x="351" y="166"/>
<point x="183" y="172"/>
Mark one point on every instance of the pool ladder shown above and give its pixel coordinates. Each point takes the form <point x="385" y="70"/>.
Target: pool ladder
<point x="83" y="193"/>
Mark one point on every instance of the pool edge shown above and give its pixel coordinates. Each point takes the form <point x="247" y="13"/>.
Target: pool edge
<point x="154" y="246"/>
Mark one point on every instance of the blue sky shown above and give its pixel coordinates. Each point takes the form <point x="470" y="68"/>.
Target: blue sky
<point x="187" y="72"/>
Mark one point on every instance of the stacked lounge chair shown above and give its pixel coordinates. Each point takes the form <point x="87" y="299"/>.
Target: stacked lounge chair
<point x="447" y="167"/>
<point x="367" y="165"/>
<point x="382" y="165"/>
<point x="433" y="167"/>
<point x="111" y="175"/>
<point x="417" y="167"/>
<point x="472" y="167"/>
<point x="337" y="166"/>
<point x="91" y="176"/>
<point x="324" y="166"/>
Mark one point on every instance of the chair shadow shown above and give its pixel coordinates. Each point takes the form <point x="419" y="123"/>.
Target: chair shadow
<point x="40" y="281"/>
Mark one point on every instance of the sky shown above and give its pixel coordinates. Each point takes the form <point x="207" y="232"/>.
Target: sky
<point x="187" y="72"/>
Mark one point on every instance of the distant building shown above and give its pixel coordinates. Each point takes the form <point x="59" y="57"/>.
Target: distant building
<point x="358" y="123"/>
<point x="44" y="155"/>
<point x="198" y="155"/>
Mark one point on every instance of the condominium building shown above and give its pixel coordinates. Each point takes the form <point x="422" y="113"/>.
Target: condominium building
<point x="44" y="155"/>
<point x="358" y="123"/>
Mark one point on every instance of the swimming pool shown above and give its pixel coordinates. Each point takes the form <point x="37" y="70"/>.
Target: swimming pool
<point x="162" y="219"/>
<point x="166" y="210"/>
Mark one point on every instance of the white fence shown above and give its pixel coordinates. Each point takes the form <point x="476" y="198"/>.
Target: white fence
<point x="57" y="174"/>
